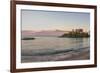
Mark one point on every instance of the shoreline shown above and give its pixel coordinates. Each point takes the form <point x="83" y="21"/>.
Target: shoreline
<point x="76" y="54"/>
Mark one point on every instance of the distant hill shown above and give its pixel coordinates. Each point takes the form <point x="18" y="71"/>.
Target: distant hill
<point x="43" y="33"/>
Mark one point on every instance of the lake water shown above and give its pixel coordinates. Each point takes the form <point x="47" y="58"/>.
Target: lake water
<point x="47" y="47"/>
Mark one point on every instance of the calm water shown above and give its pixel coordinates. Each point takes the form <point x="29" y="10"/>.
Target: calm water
<point x="42" y="45"/>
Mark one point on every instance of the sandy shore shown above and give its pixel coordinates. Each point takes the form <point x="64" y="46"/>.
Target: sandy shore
<point x="79" y="54"/>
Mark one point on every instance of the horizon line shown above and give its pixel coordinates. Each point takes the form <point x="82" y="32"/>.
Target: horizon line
<point x="54" y="30"/>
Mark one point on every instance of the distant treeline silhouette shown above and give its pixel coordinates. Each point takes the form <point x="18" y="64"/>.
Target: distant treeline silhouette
<point x="77" y="33"/>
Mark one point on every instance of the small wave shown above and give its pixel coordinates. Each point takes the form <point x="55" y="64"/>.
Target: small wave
<point x="54" y="52"/>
